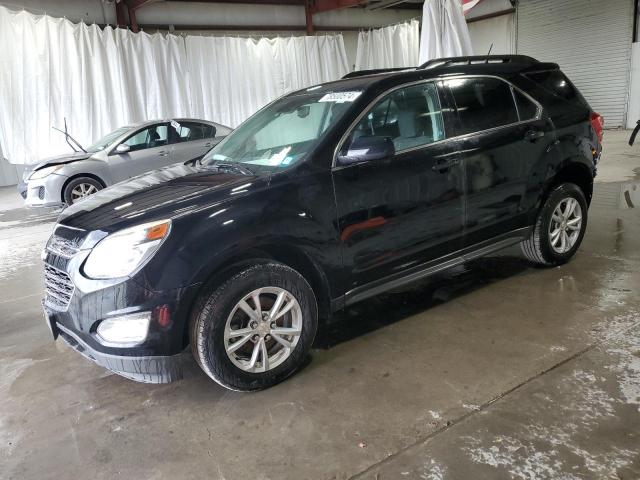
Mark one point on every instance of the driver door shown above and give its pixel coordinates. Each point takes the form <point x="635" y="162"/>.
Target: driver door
<point x="149" y="149"/>
<point x="397" y="213"/>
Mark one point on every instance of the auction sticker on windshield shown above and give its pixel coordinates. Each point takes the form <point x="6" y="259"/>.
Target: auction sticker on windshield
<point x="340" y="97"/>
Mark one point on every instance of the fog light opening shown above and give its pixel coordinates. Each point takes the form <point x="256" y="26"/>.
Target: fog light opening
<point x="125" y="330"/>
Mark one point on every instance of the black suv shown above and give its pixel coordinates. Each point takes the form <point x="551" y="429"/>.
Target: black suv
<point x="325" y="197"/>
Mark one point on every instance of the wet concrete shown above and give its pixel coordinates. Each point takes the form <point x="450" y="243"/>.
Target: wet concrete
<point x="492" y="370"/>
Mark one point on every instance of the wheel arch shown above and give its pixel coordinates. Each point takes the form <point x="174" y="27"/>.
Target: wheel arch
<point x="572" y="171"/>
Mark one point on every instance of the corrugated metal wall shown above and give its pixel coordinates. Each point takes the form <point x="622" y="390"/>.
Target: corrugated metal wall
<point x="590" y="40"/>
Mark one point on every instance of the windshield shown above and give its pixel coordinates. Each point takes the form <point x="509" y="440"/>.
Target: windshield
<point x="281" y="134"/>
<point x="107" y="140"/>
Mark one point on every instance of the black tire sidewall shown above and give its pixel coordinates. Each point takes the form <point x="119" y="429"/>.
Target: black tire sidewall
<point x="210" y="324"/>
<point x="557" y="195"/>
<point x="75" y="182"/>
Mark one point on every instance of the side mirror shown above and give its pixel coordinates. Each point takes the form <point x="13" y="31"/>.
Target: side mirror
<point x="366" y="149"/>
<point x="122" y="148"/>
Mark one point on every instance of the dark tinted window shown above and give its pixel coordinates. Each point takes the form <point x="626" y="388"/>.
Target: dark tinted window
<point x="482" y="103"/>
<point x="555" y="82"/>
<point x="527" y="110"/>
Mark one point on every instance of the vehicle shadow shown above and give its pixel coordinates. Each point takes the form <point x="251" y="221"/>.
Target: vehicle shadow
<point x="397" y="305"/>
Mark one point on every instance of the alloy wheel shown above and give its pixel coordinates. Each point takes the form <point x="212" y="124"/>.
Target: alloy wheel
<point x="263" y="329"/>
<point x="565" y="225"/>
<point x="82" y="190"/>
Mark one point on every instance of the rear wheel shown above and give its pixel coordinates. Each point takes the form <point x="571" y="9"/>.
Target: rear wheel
<point x="255" y="329"/>
<point x="79" y="188"/>
<point x="559" y="228"/>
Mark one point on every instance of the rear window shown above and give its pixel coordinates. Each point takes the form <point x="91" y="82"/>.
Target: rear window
<point x="482" y="103"/>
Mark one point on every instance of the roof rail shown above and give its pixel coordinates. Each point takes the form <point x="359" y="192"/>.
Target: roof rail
<point x="441" y="62"/>
<point x="362" y="73"/>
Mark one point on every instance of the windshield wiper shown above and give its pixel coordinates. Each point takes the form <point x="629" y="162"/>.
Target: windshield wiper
<point x="232" y="167"/>
<point x="69" y="138"/>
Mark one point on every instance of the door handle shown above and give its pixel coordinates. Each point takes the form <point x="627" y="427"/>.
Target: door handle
<point x="445" y="165"/>
<point x="208" y="144"/>
<point x="163" y="153"/>
<point x="533" y="135"/>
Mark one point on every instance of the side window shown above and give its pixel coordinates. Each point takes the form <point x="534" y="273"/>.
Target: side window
<point x="410" y="116"/>
<point x="482" y="103"/>
<point x="191" y="131"/>
<point x="527" y="110"/>
<point x="154" y="136"/>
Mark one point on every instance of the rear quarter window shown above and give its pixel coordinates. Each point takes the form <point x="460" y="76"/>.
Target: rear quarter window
<point x="561" y="100"/>
<point x="556" y="83"/>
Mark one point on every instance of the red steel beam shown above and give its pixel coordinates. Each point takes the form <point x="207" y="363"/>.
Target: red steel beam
<point x="121" y="18"/>
<point x="308" y="16"/>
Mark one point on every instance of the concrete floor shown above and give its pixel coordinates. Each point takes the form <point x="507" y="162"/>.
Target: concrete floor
<point x="495" y="370"/>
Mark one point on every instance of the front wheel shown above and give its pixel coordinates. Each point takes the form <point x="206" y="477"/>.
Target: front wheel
<point x="79" y="188"/>
<point x="559" y="228"/>
<point x="255" y="329"/>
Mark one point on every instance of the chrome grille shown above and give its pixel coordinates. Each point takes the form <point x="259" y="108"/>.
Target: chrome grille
<point x="62" y="247"/>
<point x="58" y="288"/>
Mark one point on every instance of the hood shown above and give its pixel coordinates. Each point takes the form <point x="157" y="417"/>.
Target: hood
<point x="58" y="159"/>
<point x="171" y="192"/>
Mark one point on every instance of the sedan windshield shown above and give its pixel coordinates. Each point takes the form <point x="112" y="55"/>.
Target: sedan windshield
<point x="281" y="134"/>
<point x="107" y="140"/>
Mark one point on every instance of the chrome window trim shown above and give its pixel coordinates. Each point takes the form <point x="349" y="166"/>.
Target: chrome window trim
<point x="335" y="166"/>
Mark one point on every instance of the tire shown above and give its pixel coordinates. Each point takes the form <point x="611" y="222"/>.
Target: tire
<point x="74" y="187"/>
<point x="217" y="314"/>
<point x="541" y="247"/>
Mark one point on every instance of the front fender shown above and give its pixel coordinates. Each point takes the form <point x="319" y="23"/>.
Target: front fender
<point x="294" y="216"/>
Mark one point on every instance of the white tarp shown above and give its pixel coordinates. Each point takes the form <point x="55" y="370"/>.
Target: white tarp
<point x="389" y="47"/>
<point x="230" y="77"/>
<point x="100" y="79"/>
<point x="444" y="31"/>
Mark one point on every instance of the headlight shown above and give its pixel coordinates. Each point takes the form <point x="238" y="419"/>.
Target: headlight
<point x="43" y="172"/>
<point x="123" y="252"/>
<point x="124" y="331"/>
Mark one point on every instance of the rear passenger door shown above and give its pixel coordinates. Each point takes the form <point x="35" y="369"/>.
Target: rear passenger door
<point x="192" y="139"/>
<point x="501" y="139"/>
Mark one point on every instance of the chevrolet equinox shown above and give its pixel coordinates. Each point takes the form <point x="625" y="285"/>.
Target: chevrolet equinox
<point x="323" y="198"/>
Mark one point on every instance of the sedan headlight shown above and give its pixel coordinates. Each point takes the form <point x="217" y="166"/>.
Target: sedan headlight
<point x="43" y="172"/>
<point x="122" y="253"/>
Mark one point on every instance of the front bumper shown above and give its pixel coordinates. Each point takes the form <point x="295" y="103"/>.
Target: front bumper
<point x="44" y="192"/>
<point x="75" y="305"/>
<point x="148" y="369"/>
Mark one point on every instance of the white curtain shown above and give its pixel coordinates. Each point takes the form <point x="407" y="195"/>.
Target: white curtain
<point x="389" y="47"/>
<point x="101" y="79"/>
<point x="233" y="77"/>
<point x="496" y="34"/>
<point x="444" y="31"/>
<point x="52" y="69"/>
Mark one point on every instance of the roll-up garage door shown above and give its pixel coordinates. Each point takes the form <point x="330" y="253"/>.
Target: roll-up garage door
<point x="590" y="40"/>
